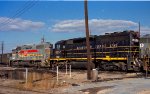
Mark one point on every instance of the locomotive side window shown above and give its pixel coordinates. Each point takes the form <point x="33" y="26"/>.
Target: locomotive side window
<point x="58" y="46"/>
<point x="39" y="46"/>
<point x="63" y="46"/>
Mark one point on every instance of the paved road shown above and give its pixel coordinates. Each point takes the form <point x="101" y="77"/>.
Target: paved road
<point x="126" y="86"/>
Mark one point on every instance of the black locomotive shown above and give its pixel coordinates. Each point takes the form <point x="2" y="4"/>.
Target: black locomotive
<point x="118" y="50"/>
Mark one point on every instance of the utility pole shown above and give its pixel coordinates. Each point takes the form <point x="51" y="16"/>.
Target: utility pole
<point x="89" y="63"/>
<point x="139" y="38"/>
<point x="139" y="29"/>
<point x="2" y="48"/>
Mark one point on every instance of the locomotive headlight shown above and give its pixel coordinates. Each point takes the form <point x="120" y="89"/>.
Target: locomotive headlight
<point x="13" y="58"/>
<point x="141" y="45"/>
<point x="135" y="40"/>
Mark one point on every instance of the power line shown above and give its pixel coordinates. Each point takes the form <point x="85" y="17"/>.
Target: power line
<point x="7" y="19"/>
<point x="19" y="12"/>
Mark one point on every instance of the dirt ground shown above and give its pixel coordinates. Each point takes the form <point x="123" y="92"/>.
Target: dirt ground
<point x="81" y="76"/>
<point x="45" y="83"/>
<point x="144" y="92"/>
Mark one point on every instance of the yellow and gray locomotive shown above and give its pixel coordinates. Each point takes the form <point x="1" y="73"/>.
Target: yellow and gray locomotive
<point x="31" y="55"/>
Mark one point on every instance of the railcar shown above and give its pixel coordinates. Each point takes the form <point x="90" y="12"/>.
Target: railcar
<point x="5" y="58"/>
<point x="118" y="50"/>
<point x="145" y="51"/>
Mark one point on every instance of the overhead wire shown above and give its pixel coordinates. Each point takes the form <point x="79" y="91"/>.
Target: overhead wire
<point x="11" y="16"/>
<point x="28" y="5"/>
